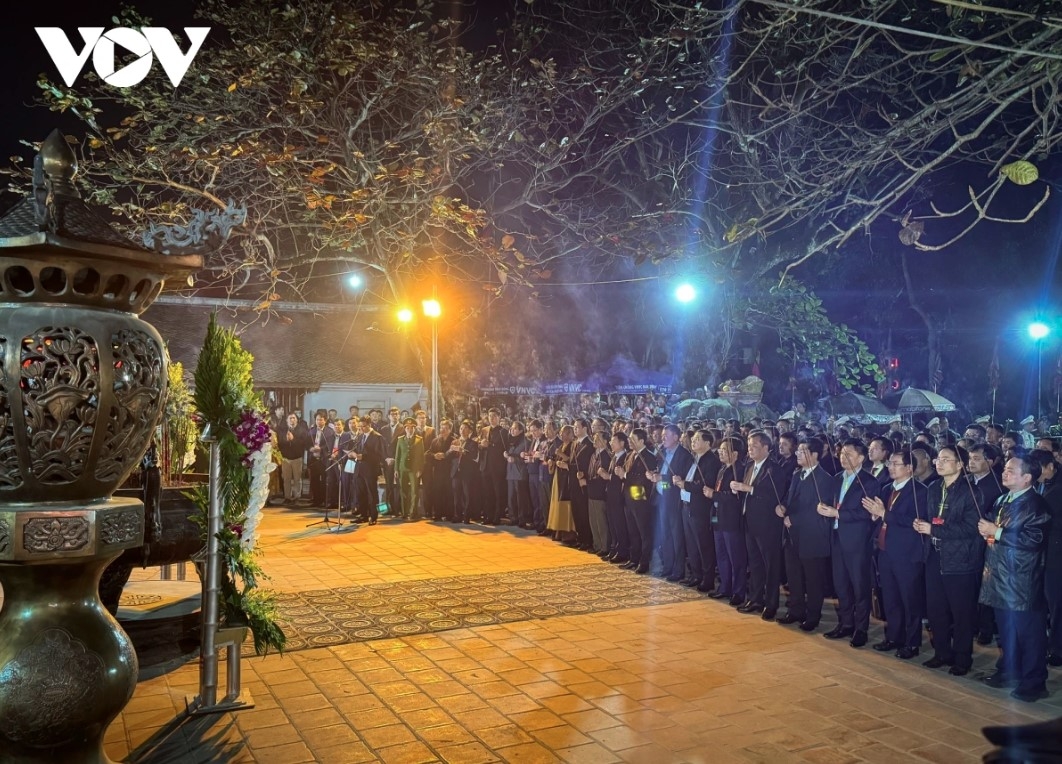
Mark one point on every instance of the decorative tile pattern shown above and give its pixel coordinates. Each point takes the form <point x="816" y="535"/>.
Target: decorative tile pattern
<point x="378" y="611"/>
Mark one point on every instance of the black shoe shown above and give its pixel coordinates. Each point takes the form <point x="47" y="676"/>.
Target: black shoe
<point x="769" y="614"/>
<point x="984" y="639"/>
<point x="906" y="653"/>
<point x="620" y="561"/>
<point x="789" y="618"/>
<point x="999" y="680"/>
<point x="839" y="632"/>
<point x="540" y="533"/>
<point x="629" y="565"/>
<point x="735" y="601"/>
<point x="673" y="579"/>
<point x="886" y="646"/>
<point x="808" y="626"/>
<point x="715" y="594"/>
<point x="1030" y="696"/>
<point x="706" y="588"/>
<point x="958" y="671"/>
<point x="641" y="571"/>
<point x="1054" y="660"/>
<point x="372" y="522"/>
<point x="935" y="662"/>
<point x="859" y="639"/>
<point x="690" y="582"/>
<point x="751" y="607"/>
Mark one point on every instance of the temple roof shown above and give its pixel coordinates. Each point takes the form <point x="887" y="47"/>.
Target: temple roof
<point x="303" y="349"/>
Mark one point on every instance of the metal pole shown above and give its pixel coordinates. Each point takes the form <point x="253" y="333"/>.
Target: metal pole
<point x="436" y="418"/>
<point x="208" y="655"/>
<point x="232" y="687"/>
<point x="1039" y="374"/>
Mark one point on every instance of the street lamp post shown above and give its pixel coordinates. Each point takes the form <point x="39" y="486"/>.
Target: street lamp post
<point x="1038" y="330"/>
<point x="433" y="310"/>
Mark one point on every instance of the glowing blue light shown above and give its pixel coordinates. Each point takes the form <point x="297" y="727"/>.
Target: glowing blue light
<point x="1038" y="330"/>
<point x="354" y="281"/>
<point x="685" y="293"/>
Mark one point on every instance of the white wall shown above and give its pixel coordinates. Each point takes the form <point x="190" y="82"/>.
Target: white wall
<point x="342" y="397"/>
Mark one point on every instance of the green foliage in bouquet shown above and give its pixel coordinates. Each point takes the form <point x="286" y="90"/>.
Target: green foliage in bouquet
<point x="181" y="428"/>
<point x="224" y="392"/>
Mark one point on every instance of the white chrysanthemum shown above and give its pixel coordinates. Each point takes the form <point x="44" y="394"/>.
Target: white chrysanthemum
<point x="261" y="465"/>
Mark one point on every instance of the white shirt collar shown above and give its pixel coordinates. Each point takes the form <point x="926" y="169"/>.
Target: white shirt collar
<point x="898" y="486"/>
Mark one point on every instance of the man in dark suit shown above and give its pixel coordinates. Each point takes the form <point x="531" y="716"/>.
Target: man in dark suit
<point x="672" y="460"/>
<point x="786" y="458"/>
<point x="369" y="453"/>
<point x="985" y="474"/>
<point x="578" y="482"/>
<point x="1013" y="581"/>
<point x="495" y="489"/>
<point x="637" y="488"/>
<point x="464" y="471"/>
<point x="807" y="542"/>
<point x="438" y="482"/>
<point x="614" y="502"/>
<point x="697" y="511"/>
<point x="850" y="548"/>
<point x="322" y="441"/>
<point x="390" y="433"/>
<point x="763" y="511"/>
<point x="878" y="451"/>
<point x="901" y="555"/>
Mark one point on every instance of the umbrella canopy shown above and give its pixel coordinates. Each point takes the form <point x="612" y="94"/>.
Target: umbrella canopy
<point x="861" y="408"/>
<point x="915" y="401"/>
<point x="752" y="410"/>
<point x="712" y="408"/>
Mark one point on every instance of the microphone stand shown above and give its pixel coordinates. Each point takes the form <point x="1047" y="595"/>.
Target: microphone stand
<point x="327" y="522"/>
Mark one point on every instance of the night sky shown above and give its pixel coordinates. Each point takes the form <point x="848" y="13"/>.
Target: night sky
<point x="987" y="287"/>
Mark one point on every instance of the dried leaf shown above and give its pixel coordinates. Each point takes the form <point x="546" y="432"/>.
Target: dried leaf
<point x="507" y="241"/>
<point x="1021" y="172"/>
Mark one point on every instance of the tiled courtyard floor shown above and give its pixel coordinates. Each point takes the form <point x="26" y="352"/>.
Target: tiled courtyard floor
<point x="681" y="682"/>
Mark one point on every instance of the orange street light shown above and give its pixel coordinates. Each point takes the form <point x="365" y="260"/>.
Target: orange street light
<point x="432" y="308"/>
<point x="405" y="315"/>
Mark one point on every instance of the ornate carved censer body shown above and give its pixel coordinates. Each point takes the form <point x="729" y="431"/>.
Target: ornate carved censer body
<point x="82" y="382"/>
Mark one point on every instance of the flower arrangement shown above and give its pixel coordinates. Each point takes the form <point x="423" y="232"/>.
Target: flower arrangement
<point x="227" y="403"/>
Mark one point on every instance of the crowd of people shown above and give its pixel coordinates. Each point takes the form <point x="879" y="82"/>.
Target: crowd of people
<point x="919" y="525"/>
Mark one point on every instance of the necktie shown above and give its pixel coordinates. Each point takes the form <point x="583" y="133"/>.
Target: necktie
<point x="881" y="531"/>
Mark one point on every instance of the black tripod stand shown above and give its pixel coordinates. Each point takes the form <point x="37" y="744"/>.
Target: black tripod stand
<point x="327" y="521"/>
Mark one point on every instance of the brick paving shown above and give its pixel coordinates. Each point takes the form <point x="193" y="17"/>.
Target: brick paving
<point x="681" y="682"/>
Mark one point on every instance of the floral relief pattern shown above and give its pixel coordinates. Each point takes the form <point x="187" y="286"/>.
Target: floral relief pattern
<point x="44" y="706"/>
<point x="10" y="473"/>
<point x="138" y="386"/>
<point x="120" y="527"/>
<point x="60" y="383"/>
<point x="44" y="535"/>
